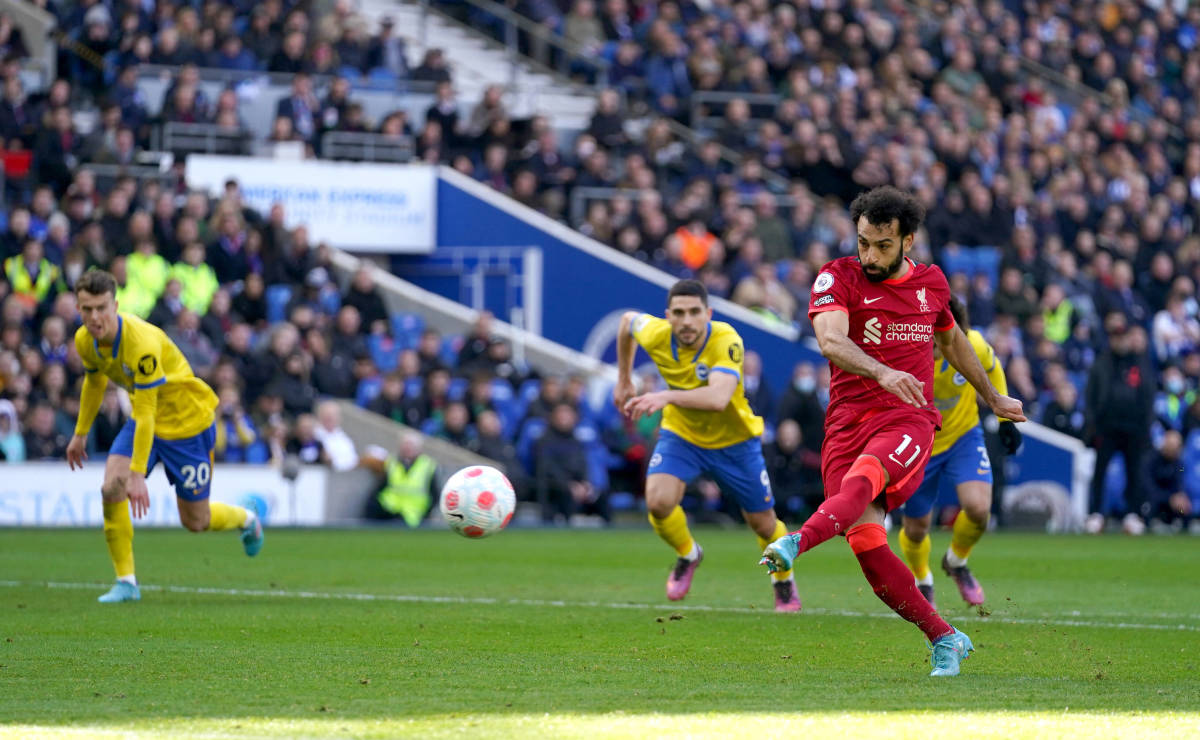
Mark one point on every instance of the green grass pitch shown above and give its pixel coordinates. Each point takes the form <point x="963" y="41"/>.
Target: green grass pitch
<point x="386" y="633"/>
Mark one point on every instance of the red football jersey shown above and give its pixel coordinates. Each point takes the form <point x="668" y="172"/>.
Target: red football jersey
<point x="892" y="321"/>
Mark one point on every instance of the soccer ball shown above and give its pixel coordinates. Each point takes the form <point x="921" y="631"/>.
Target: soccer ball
<point x="477" y="501"/>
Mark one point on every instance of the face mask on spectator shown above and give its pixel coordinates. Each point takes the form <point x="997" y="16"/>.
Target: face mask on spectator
<point x="806" y="385"/>
<point x="1175" y="386"/>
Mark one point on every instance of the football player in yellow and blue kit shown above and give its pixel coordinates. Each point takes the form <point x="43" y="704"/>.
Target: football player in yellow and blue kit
<point x="172" y="422"/>
<point x="958" y="458"/>
<point x="707" y="427"/>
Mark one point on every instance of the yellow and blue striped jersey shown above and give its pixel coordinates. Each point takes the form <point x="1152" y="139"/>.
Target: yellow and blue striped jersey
<point x="168" y="400"/>
<point x="955" y="398"/>
<point x="682" y="369"/>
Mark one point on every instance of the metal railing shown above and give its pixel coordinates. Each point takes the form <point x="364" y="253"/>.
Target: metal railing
<point x="235" y="77"/>
<point x="366" y="147"/>
<point x="694" y="138"/>
<point x="703" y="104"/>
<point x="581" y="197"/>
<point x="204" y="138"/>
<point x="107" y="174"/>
<point x="542" y="48"/>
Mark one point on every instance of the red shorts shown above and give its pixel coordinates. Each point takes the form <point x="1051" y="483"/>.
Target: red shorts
<point x="899" y="438"/>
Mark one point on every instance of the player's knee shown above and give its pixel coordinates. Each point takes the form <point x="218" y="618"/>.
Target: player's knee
<point x="763" y="524"/>
<point x="113" y="489"/>
<point x="916" y="529"/>
<point x="661" y="507"/>
<point x="978" y="511"/>
<point x="194" y="522"/>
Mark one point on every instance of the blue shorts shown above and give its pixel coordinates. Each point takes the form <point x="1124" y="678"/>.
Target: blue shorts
<point x="966" y="460"/>
<point x="738" y="469"/>
<point x="188" y="461"/>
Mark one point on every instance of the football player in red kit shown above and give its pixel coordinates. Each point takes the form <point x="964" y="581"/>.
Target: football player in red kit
<point x="876" y="316"/>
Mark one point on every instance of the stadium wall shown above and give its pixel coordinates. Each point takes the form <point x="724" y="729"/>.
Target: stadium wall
<point x="48" y="495"/>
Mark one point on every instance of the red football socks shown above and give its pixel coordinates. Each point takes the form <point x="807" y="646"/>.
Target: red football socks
<point x="892" y="581"/>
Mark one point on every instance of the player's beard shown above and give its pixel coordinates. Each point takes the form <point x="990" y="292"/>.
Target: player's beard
<point x="883" y="273"/>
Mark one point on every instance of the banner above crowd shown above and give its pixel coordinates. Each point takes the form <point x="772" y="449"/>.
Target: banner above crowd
<point x="357" y="207"/>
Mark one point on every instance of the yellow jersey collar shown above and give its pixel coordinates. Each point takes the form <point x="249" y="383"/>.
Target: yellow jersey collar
<point x="116" y="347"/>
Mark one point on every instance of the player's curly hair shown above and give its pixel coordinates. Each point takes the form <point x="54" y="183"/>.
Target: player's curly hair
<point x="885" y="204"/>
<point x="96" y="282"/>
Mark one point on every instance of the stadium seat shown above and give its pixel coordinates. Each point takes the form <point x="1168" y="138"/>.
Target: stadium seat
<point x="385" y="352"/>
<point x="458" y="389"/>
<point x="412" y="387"/>
<point x="450" y="347"/>
<point x="278" y="297"/>
<point x="622" y="501"/>
<point x="531" y="432"/>
<point x="407" y="328"/>
<point x="382" y="78"/>
<point x="508" y="406"/>
<point x="368" y="389"/>
<point x="1114" y="485"/>
<point x="1191" y="467"/>
<point x="529" y="390"/>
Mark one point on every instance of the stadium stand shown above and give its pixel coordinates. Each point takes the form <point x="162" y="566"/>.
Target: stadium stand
<point x="1058" y="155"/>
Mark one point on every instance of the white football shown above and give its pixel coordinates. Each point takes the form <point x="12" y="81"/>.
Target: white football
<point x="477" y="501"/>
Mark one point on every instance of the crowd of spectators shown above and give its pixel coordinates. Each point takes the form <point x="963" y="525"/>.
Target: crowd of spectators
<point x="1052" y="213"/>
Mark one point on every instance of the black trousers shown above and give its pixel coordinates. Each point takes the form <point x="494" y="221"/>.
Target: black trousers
<point x="1133" y="445"/>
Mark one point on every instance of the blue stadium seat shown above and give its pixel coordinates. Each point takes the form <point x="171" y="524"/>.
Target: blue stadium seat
<point x="368" y="389"/>
<point x="350" y="73"/>
<point x="529" y="390"/>
<point x="508" y="406"/>
<point x="622" y="501"/>
<point x="430" y="426"/>
<point x="458" y="389"/>
<point x="1191" y="468"/>
<point x="412" y="387"/>
<point x="407" y="328"/>
<point x="385" y="351"/>
<point x="330" y="301"/>
<point x="278" y="297"/>
<point x="1114" y="485"/>
<point x="382" y="78"/>
<point x="450" y="347"/>
<point x="531" y="432"/>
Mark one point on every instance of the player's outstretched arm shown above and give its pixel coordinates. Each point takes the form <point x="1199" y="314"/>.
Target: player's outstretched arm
<point x="833" y="335"/>
<point x="958" y="350"/>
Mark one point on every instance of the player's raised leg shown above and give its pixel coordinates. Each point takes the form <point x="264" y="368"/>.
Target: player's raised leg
<point x="118" y="530"/>
<point x="969" y="526"/>
<point x="189" y="466"/>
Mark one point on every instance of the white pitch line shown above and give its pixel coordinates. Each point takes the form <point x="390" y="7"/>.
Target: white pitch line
<point x="1056" y="621"/>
